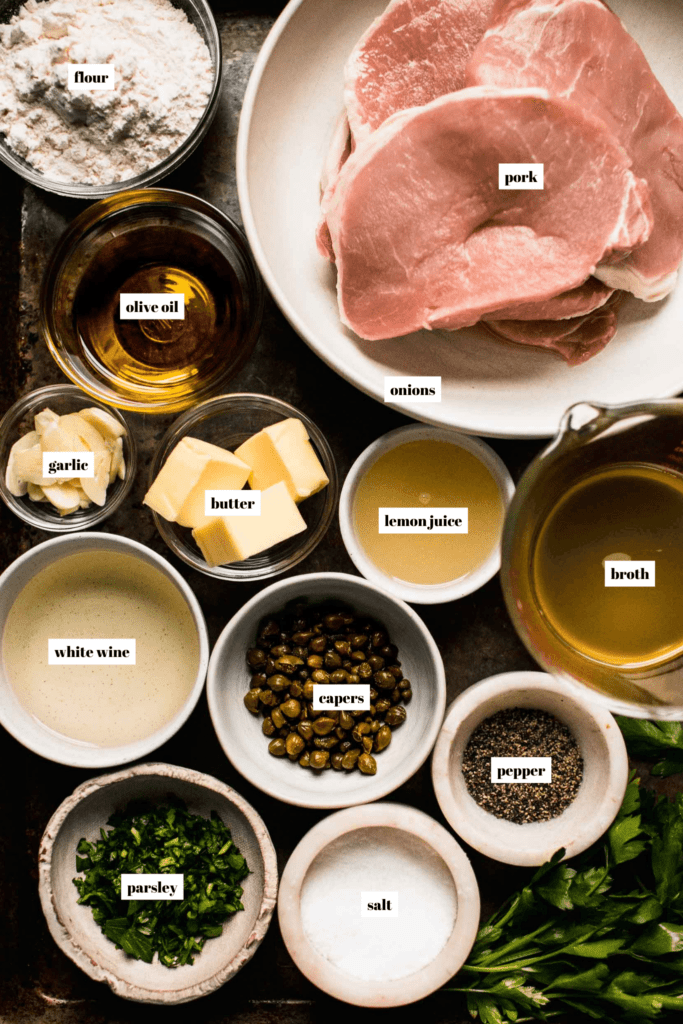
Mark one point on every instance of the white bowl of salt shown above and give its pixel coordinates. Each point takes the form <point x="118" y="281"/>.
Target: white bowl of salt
<point x="378" y="905"/>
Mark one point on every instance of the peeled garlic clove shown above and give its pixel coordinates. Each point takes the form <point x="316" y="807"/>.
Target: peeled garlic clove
<point x="42" y="419"/>
<point x="116" y="458"/>
<point x="96" y="487"/>
<point x="35" y="492"/>
<point x="104" y="422"/>
<point x="75" y="424"/>
<point x="16" y="485"/>
<point x="122" y="469"/>
<point x="56" y="438"/>
<point x="63" y="496"/>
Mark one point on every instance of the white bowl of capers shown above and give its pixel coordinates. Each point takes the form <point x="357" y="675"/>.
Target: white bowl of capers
<point x="350" y="636"/>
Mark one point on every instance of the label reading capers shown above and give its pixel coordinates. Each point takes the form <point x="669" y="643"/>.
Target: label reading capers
<point x="355" y="696"/>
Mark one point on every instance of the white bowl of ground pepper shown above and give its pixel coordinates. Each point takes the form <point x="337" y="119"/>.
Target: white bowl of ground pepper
<point x="528" y="715"/>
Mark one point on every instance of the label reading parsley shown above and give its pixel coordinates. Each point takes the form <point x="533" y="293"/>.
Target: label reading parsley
<point x="152" y="887"/>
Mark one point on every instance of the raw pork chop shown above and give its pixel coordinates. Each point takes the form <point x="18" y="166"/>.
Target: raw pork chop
<point x="579" y="50"/>
<point x="424" y="238"/>
<point x="415" y="51"/>
<point x="577" y="339"/>
<point x="589" y="296"/>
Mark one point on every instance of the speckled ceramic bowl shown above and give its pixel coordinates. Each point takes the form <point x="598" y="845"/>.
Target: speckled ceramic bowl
<point x="72" y="926"/>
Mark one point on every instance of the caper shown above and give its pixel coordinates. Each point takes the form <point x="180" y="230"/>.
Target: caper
<point x="256" y="657"/>
<point x="350" y="758"/>
<point x="375" y="727"/>
<point x="320" y="676"/>
<point x="305" y="759"/>
<point x="348" y="664"/>
<point x="378" y="639"/>
<point x="382" y="705"/>
<point x="364" y="670"/>
<point x="396" y="695"/>
<point x="367" y="744"/>
<point x="270" y="629"/>
<point x="314" y="661"/>
<point x="289" y="660"/>
<point x="376" y="663"/>
<point x="325" y="742"/>
<point x="267" y="727"/>
<point x="278" y="683"/>
<point x="396" y="671"/>
<point x="361" y="730"/>
<point x="270" y="668"/>
<point x="319" y="758"/>
<point x="345" y="745"/>
<point x="358" y="640"/>
<point x="277" y="748"/>
<point x="395" y="716"/>
<point x="291" y="708"/>
<point x="367" y="764"/>
<point x="251" y="699"/>
<point x="259" y="679"/>
<point x="318" y="644"/>
<point x="279" y="650"/>
<point x="300" y="652"/>
<point x="294" y="744"/>
<point x="323" y="726"/>
<point x="339" y="676"/>
<point x="268" y="698"/>
<point x="389" y="651"/>
<point x="333" y="622"/>
<point x="384" y="680"/>
<point x="353" y="678"/>
<point x="336" y="761"/>
<point x="404" y="684"/>
<point x="278" y="718"/>
<point x="340" y="733"/>
<point x="342" y="646"/>
<point x="305" y="729"/>
<point x="295" y="689"/>
<point x="308" y="691"/>
<point x="357" y="656"/>
<point x="345" y="720"/>
<point x="383" y="738"/>
<point x="407" y="696"/>
<point x="302" y="637"/>
<point x="332" y="660"/>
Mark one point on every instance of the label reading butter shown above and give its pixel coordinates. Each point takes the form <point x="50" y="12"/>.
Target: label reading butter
<point x="378" y="904"/>
<point x="90" y="652"/>
<point x="70" y="465"/>
<point x="522" y="769"/>
<point x="422" y="520"/>
<point x="90" y="77"/>
<point x="152" y="887"/>
<point x="629" y="574"/>
<point x="406" y="390"/>
<point x="520" y="176"/>
<point x="341" y="697"/>
<point x="152" y="306"/>
<point x="232" y="503"/>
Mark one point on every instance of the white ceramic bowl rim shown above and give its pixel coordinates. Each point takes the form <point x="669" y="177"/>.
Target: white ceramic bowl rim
<point x="321" y="971"/>
<point x="529" y="845"/>
<point x="417" y="593"/>
<point x="62" y="749"/>
<point x="63" y="937"/>
<point x="382" y="787"/>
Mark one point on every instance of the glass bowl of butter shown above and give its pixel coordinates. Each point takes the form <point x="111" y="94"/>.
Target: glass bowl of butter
<point x="66" y="462"/>
<point x="243" y="487"/>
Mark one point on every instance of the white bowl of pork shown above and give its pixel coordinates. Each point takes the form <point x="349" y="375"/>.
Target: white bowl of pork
<point x="438" y="94"/>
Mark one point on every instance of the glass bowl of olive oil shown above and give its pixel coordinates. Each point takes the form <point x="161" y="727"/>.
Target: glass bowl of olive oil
<point x="593" y="556"/>
<point x="151" y="301"/>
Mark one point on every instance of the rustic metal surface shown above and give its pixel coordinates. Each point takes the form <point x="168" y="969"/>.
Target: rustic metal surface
<point x="37" y="982"/>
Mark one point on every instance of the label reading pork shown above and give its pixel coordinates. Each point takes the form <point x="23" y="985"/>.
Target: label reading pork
<point x="520" y="176"/>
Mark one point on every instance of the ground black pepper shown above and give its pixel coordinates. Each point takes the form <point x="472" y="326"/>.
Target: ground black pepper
<point x="523" y="732"/>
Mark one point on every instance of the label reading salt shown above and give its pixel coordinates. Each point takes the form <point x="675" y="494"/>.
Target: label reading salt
<point x="421" y="520"/>
<point x="232" y="503"/>
<point x="152" y="887"/>
<point x="152" y="306"/>
<point x="379" y="904"/>
<point x="629" y="574"/>
<point x="90" y="652"/>
<point x="402" y="390"/>
<point x="522" y="769"/>
<point x="90" y="77"/>
<point x="341" y="697"/>
<point x="520" y="176"/>
<point x="69" y="465"/>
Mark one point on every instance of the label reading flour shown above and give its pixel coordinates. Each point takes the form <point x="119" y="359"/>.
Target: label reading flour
<point x="520" y="176"/>
<point x="151" y="306"/>
<point x="336" y="697"/>
<point x="90" y="77"/>
<point x="629" y="574"/>
<point x="152" y="887"/>
<point x="422" y="520"/>
<point x="522" y="769"/>
<point x="398" y="390"/>
<point x="91" y="652"/>
<point x="69" y="465"/>
<point x="232" y="503"/>
<point x="379" y="904"/>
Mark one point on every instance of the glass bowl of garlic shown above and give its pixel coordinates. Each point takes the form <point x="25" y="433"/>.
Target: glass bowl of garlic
<point x="91" y="463"/>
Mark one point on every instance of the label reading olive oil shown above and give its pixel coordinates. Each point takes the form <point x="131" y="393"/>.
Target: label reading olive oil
<point x="152" y="306"/>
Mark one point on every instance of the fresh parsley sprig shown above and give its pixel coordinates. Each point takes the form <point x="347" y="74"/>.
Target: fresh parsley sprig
<point x="146" y="839"/>
<point x="602" y="936"/>
<point x="652" y="741"/>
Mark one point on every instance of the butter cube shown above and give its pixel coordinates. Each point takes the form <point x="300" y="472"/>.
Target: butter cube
<point x="177" y="494"/>
<point x="226" y="539"/>
<point x="283" y="452"/>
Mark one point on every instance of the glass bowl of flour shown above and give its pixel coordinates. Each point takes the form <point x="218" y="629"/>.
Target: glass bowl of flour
<point x="98" y="97"/>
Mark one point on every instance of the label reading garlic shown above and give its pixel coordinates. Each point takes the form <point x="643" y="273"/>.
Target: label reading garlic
<point x="69" y="465"/>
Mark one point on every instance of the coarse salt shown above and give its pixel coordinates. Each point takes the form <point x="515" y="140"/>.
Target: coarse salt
<point x="378" y="859"/>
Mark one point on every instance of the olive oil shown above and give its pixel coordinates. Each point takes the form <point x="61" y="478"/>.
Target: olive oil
<point x="162" y="353"/>
<point x="625" y="511"/>
<point x="429" y="474"/>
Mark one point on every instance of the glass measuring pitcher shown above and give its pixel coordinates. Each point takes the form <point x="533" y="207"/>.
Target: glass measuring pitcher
<point x="608" y="488"/>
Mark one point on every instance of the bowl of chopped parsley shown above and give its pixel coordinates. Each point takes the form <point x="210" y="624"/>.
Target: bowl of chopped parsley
<point x="159" y="881"/>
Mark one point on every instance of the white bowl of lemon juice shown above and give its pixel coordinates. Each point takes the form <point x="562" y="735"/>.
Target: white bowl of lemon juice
<point x="416" y="482"/>
<point x="104" y="650"/>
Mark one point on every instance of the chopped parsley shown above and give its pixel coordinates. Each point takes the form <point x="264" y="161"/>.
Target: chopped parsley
<point x="166" y="839"/>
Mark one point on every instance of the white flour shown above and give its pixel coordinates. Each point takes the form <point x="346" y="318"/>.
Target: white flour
<point x="164" y="76"/>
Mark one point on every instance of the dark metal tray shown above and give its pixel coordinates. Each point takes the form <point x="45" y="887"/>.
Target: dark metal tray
<point x="475" y="635"/>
